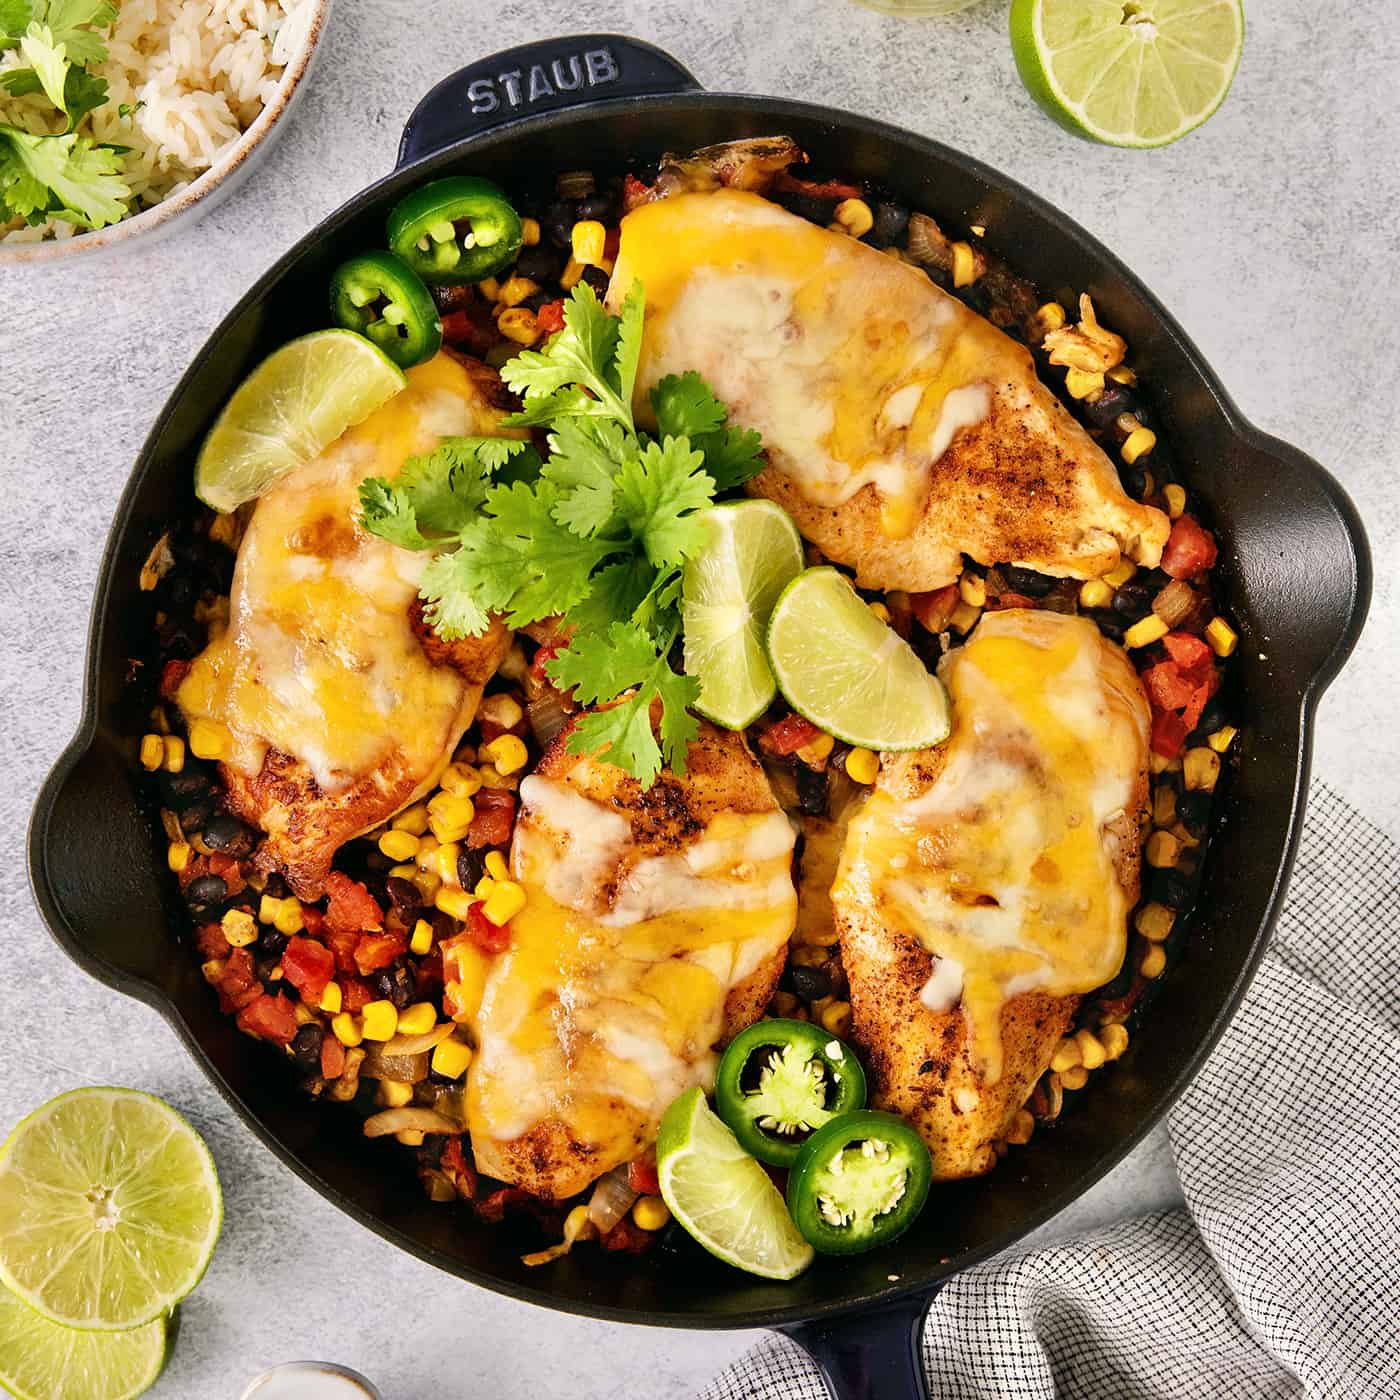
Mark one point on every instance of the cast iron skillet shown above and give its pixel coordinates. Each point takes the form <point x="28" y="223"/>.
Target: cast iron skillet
<point x="1295" y="572"/>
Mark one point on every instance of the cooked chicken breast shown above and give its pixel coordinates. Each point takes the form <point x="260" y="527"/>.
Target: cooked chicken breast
<point x="902" y="430"/>
<point x="655" y="929"/>
<point x="985" y="886"/>
<point x="338" y="716"/>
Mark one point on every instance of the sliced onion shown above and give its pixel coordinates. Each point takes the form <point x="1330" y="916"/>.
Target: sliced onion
<point x="611" y="1199"/>
<point x="416" y="1044"/>
<point x="406" y="1069"/>
<point x="398" y="1120"/>
<point x="1175" y="603"/>
<point x="547" y="715"/>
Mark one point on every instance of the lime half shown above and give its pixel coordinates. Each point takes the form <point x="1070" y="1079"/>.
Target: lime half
<point x="849" y="673"/>
<point x="289" y="410"/>
<point x="109" y="1208"/>
<point x="752" y="554"/>
<point x="40" y="1360"/>
<point x="1141" y="73"/>
<point x="722" y="1196"/>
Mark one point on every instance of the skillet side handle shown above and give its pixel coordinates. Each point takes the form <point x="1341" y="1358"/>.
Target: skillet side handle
<point x="874" y="1355"/>
<point x="548" y="76"/>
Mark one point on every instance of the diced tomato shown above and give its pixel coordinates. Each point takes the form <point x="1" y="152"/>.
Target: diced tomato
<point x="355" y="993"/>
<point x="342" y="943"/>
<point x="627" y="1237"/>
<point x="824" y="189"/>
<point x="494" y="820"/>
<point x="1190" y="549"/>
<point x="351" y="906"/>
<point x="493" y="1208"/>
<point x="210" y="940"/>
<point x="934" y="610"/>
<point x="787" y="735"/>
<point x="238" y="979"/>
<point x="228" y="869"/>
<point x="634" y="192"/>
<point x="1168" y="733"/>
<point x="172" y="676"/>
<point x="376" y="950"/>
<point x="332" y="1058"/>
<point x="1009" y="600"/>
<point x="641" y="1176"/>
<point x="611" y="243"/>
<point x="470" y="328"/>
<point x="486" y="935"/>
<point x="313" y="920"/>
<point x="272" y="1018"/>
<point x="1167" y="688"/>
<point x="308" y="966"/>
<point x="550" y="317"/>
<point x="1191" y="655"/>
<point x="1191" y="715"/>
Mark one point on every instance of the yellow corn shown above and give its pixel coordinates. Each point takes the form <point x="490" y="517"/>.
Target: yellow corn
<point x="1091" y="1051"/>
<point x="880" y="611"/>
<point x="491" y="777"/>
<point x="449" y="816"/>
<point x="855" y="217"/>
<point x="1154" y="921"/>
<point x="413" y="820"/>
<point x="1150" y="629"/>
<point x="453" y="902"/>
<point x="518" y="324"/>
<point x="502" y="709"/>
<point x="1140" y="442"/>
<point x="1221" y="740"/>
<point x="1067" y="1055"/>
<point x="451" y="1058"/>
<point x="496" y="866"/>
<point x="586" y="239"/>
<point x="964" y="265"/>
<point x="818" y="751"/>
<point x="1095" y="594"/>
<point x="268" y="909"/>
<point x="1081" y="383"/>
<point x="1121" y="374"/>
<point x="1051" y="317"/>
<point x="173" y="759"/>
<point x="514" y="290"/>
<point x="445" y="862"/>
<point x="1154" y="961"/>
<point x="1175" y="497"/>
<point x="346" y="1029"/>
<point x="417" y="1019"/>
<point x="504" y="902"/>
<point x="972" y="589"/>
<point x="862" y="765"/>
<point x="421" y="940"/>
<point x="399" y="845"/>
<point x="569" y="278"/>
<point x="426" y="859"/>
<point x="427" y="883"/>
<point x="331" y="999"/>
<point x="394" y="1093"/>
<point x="461" y="780"/>
<point x="651" y="1212"/>
<point x="410" y="1137"/>
<point x="530" y="232"/>
<point x="178" y="856"/>
<point x="1221" y="637"/>
<point x="1075" y="1078"/>
<point x="1117" y="577"/>
<point x="489" y="287"/>
<point x="964" y="618"/>
<point x="209" y="739"/>
<point x="379" y="1020"/>
<point x="811" y="954"/>
<point x="1162" y="850"/>
<point x="1201" y="768"/>
<point x="289" y="918"/>
<point x="152" y="752"/>
<point x="484" y="886"/>
<point x="213" y="969"/>
<point x="240" y="928"/>
<point x="836" y="1018"/>
<point x="507" y="753"/>
<point x="1158" y="764"/>
<point x="1114" y="1040"/>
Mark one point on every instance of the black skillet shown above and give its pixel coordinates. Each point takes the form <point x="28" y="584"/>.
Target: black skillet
<point x="1295" y="573"/>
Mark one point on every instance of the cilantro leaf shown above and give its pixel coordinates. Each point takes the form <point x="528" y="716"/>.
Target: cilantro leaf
<point x="447" y="588"/>
<point x="69" y="21"/>
<point x="685" y="407"/>
<point x="618" y="590"/>
<point x="447" y="486"/>
<point x="49" y="59"/>
<point x="82" y="93"/>
<point x="77" y="178"/>
<point x="628" y="353"/>
<point x="385" y="511"/>
<point x="20" y="82"/>
<point x="583" y="460"/>
<point x="732" y="456"/>
<point x="654" y="491"/>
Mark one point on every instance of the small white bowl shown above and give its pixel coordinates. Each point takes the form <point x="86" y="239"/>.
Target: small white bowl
<point x="311" y="1380"/>
<point x="202" y="193"/>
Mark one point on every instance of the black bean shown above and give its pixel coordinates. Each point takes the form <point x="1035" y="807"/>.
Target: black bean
<point x="189" y="546"/>
<point x="1212" y="717"/>
<point x="178" y="643"/>
<point x="404" y="896"/>
<point x="178" y="790"/>
<point x="272" y="941"/>
<point x="1172" y="888"/>
<point x="444" y="925"/>
<point x="891" y="220"/>
<point x="539" y="263"/>
<point x="205" y="892"/>
<point x="179" y="591"/>
<point x="396" y="983"/>
<point x="596" y="278"/>
<point x="276" y="887"/>
<point x="1109" y="623"/>
<point x="806" y="206"/>
<point x="810" y="983"/>
<point x="1026" y="581"/>
<point x="471" y="866"/>
<point x="606" y="208"/>
<point x="194" y="816"/>
<point x="306" y="1046"/>
<point x="1104" y="410"/>
<point x="377" y="860"/>
<point x="224" y="832"/>
<point x="558" y="222"/>
<point x="1132" y="600"/>
<point x="1193" y="810"/>
<point x="1134" y="480"/>
<point x="811" y="791"/>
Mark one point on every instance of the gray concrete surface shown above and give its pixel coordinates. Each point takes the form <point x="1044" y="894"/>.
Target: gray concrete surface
<point x="1271" y="233"/>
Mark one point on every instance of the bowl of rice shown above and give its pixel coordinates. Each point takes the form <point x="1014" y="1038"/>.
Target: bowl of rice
<point x="118" y="120"/>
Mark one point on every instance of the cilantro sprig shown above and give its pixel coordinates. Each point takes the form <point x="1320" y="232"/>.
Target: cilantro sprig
<point x="598" y="531"/>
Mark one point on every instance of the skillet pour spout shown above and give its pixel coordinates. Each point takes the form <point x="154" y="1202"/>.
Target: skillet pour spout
<point x="1295" y="572"/>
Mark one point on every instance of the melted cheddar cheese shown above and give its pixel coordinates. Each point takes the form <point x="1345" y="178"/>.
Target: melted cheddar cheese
<point x="1007" y="866"/>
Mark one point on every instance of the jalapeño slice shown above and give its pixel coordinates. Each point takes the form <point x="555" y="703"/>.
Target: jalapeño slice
<point x="380" y="297"/>
<point x="455" y="231"/>
<point x="859" y="1182"/>
<point x="780" y="1081"/>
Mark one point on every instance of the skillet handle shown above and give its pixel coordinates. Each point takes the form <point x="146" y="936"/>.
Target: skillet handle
<point x="548" y="76"/>
<point x="874" y="1355"/>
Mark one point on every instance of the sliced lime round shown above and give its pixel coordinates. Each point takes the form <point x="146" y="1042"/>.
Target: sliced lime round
<point x="109" y="1209"/>
<point x="849" y="673"/>
<point x="1141" y="73"/>
<point x="753" y="552"/>
<point x="40" y="1360"/>
<point x="722" y="1196"/>
<point x="289" y="410"/>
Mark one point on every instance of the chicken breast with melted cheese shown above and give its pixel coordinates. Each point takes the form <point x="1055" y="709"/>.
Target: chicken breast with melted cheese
<point x="655" y="928"/>
<point x="902" y="430"/>
<point x="337" y="715"/>
<point x="985" y="886"/>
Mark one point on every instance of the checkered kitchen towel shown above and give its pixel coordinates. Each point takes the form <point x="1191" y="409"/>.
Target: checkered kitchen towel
<point x="1282" y="1276"/>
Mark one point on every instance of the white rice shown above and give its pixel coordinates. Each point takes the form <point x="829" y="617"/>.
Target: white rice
<point x="194" y="74"/>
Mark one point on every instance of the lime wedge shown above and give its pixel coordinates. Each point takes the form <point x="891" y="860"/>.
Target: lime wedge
<point x="40" y="1360"/>
<point x="728" y="592"/>
<point x="722" y="1196"/>
<point x="289" y="410"/>
<point x="109" y="1209"/>
<point x="1137" y="74"/>
<point x="842" y="668"/>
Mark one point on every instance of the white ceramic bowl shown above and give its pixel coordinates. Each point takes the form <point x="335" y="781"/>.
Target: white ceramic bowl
<point x="201" y="194"/>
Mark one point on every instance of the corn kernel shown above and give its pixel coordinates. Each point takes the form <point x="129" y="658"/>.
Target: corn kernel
<point x="514" y="290"/>
<point x="484" y="886"/>
<point x="399" y="845"/>
<point x="268" y="909"/>
<point x="501" y="709"/>
<point x="461" y="780"/>
<point x="817" y="751"/>
<point x="453" y="902"/>
<point x="1095" y="594"/>
<point x="1154" y="961"/>
<point x="445" y="862"/>
<point x="1175" y="497"/>
<point x="1051" y="317"/>
<point x="569" y="278"/>
<point x="809" y="955"/>
<point x="964" y="618"/>
<point x="421" y="940"/>
<point x="394" y="1093"/>
<point x="1221" y="637"/>
<point x="451" y="1057"/>
<point x="379" y="1020"/>
<point x="836" y="1018"/>
<point x="1121" y="374"/>
<point x="410" y="1137"/>
<point x="450" y="809"/>
<point x="1162" y="850"/>
<point x="489" y="288"/>
<point x="1114" y="1040"/>
<point x="1140" y="442"/>
<point x="1067" y="1055"/>
<point x="413" y="820"/>
<point x="507" y="753"/>
<point x="1154" y="921"/>
<point x="586" y="239"/>
<point x="530" y="232"/>
<point x="173" y="759"/>
<point x="152" y="752"/>
<point x="240" y="928"/>
<point x="972" y="589"/>
<point x="1150" y="629"/>
<point x="417" y="1019"/>
<point x="178" y="856"/>
<point x="1163" y="805"/>
<point x="1158" y="764"/>
<point x="880" y="611"/>
<point x="1117" y="577"/>
<point x="504" y="902"/>
<point x="496" y="866"/>
<point x="1201" y="769"/>
<point x="1081" y="383"/>
<point x="302" y="1012"/>
<point x="1221" y="740"/>
<point x="332" y="998"/>
<point x="289" y="918"/>
<point x="854" y="217"/>
<point x="428" y="847"/>
<point x="427" y="883"/>
<point x="170" y="824"/>
<point x="519" y="324"/>
<point x="213" y="969"/>
<point x="448" y="830"/>
<point x="651" y="1212"/>
<point x="492" y="778"/>
<point x="1091" y="1051"/>
<point x="964" y="265"/>
<point x="862" y="766"/>
<point x="209" y="739"/>
<point x="1075" y="1078"/>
